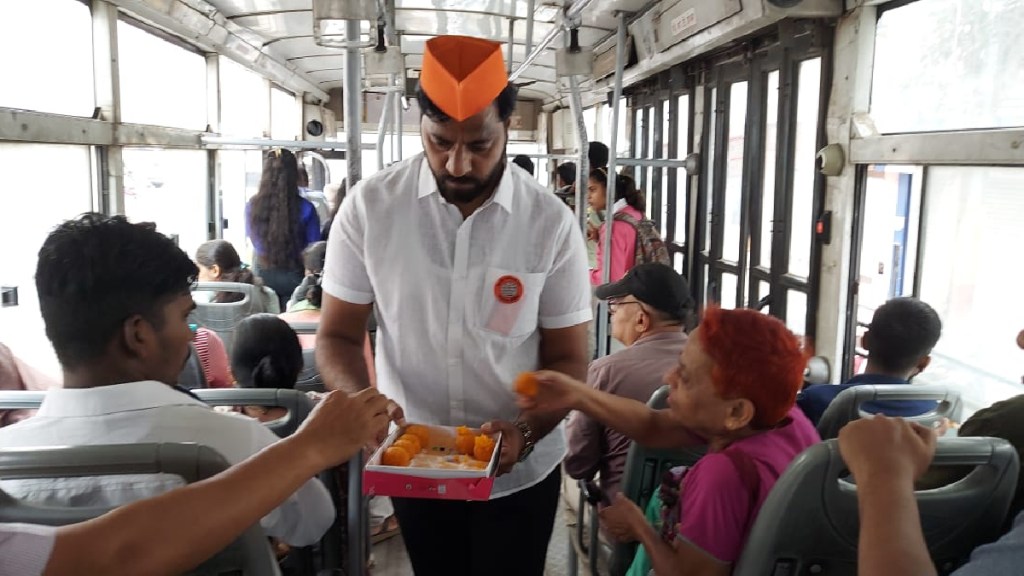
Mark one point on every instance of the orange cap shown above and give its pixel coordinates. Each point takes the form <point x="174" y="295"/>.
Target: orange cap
<point x="462" y="75"/>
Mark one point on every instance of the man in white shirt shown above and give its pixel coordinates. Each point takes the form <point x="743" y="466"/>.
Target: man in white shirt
<point x="477" y="274"/>
<point x="115" y="300"/>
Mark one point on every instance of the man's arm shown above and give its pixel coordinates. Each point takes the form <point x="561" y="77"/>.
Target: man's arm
<point x="561" y="350"/>
<point x="339" y="344"/>
<point x="174" y="532"/>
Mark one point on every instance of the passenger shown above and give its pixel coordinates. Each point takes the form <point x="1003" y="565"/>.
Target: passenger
<point x="17" y="375"/>
<point x="565" y="183"/>
<point x="280" y="223"/>
<point x="524" y="162"/>
<point x="597" y="155"/>
<point x="335" y="196"/>
<point x="899" y="342"/>
<point x="733" y="388"/>
<point x="628" y="201"/>
<point x="266" y="354"/>
<point x="317" y="198"/>
<point x="477" y="274"/>
<point x="115" y="300"/>
<point x="650" y="307"/>
<point x="891" y="541"/>
<point x="164" y="535"/>
<point x="213" y="357"/>
<point x="218" y="261"/>
<point x="313" y="258"/>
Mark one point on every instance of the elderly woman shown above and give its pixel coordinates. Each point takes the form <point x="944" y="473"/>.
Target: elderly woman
<point x="734" y="390"/>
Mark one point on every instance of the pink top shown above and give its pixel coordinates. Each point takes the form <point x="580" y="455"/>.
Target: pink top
<point x="16" y="375"/>
<point x="214" y="358"/>
<point x="623" y="247"/>
<point x="308" y="341"/>
<point x="715" y="509"/>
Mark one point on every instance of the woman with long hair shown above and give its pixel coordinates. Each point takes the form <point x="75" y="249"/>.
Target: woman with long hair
<point x="630" y="202"/>
<point x="218" y="261"/>
<point x="280" y="223"/>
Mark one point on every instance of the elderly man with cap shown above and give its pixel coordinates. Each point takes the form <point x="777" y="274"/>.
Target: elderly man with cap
<point x="650" y="306"/>
<point x="476" y="274"/>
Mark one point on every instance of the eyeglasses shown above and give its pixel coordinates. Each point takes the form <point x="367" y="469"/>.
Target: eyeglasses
<point x="613" y="305"/>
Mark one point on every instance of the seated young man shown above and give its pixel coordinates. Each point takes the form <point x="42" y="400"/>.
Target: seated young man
<point x="115" y="301"/>
<point x="650" y="306"/>
<point x="899" y="342"/>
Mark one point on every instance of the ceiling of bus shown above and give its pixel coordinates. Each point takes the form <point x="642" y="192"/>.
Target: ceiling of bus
<point x="284" y="28"/>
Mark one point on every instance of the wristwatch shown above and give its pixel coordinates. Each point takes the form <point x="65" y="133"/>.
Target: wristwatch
<point x="528" y="439"/>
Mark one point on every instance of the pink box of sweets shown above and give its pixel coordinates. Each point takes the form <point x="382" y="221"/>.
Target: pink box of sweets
<point x="437" y="471"/>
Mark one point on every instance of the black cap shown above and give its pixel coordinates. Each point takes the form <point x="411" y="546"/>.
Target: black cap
<point x="657" y="285"/>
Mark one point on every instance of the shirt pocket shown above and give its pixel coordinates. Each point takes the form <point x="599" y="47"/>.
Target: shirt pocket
<point x="510" y="302"/>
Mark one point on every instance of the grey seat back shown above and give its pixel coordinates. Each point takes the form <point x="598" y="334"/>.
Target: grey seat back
<point x="809" y="522"/>
<point x="249" y="554"/>
<point x="309" y="379"/>
<point x="848" y="405"/>
<point x="21" y="399"/>
<point x="642" y="476"/>
<point x="297" y="403"/>
<point x="223" y="317"/>
<point x="192" y="375"/>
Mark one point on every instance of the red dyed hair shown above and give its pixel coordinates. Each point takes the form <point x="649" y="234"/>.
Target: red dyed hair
<point x="755" y="357"/>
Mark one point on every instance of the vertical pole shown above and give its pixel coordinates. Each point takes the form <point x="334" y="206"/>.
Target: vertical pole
<point x="397" y="124"/>
<point x="382" y="128"/>
<point x="108" y="98"/>
<point x="582" y="146"/>
<point x="353" y="108"/>
<point x="511" y="40"/>
<point x="613" y="145"/>
<point x="529" y="26"/>
<point x="216" y="206"/>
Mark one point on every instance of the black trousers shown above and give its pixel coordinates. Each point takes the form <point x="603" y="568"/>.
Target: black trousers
<point x="506" y="536"/>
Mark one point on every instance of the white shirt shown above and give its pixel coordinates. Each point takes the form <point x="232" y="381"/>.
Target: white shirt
<point x="448" y="349"/>
<point x="25" y="548"/>
<point x="140" y="412"/>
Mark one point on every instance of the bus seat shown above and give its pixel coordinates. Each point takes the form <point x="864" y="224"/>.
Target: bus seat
<point x="809" y="523"/>
<point x="192" y="375"/>
<point x="309" y="379"/>
<point x="249" y="554"/>
<point x="846" y="407"/>
<point x="223" y="317"/>
<point x="297" y="403"/>
<point x="644" y="470"/>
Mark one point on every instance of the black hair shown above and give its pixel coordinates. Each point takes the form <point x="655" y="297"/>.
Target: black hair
<point x="902" y="332"/>
<point x="524" y="162"/>
<point x="224" y="255"/>
<point x="567" y="172"/>
<point x="266" y="353"/>
<point x="275" y="209"/>
<point x="506" y="103"/>
<point x="597" y="155"/>
<point x="625" y="187"/>
<point x="314" y="257"/>
<point x="95" y="272"/>
<point x="325" y="230"/>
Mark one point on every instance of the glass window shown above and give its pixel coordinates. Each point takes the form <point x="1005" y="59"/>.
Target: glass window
<point x="771" y="135"/>
<point x="285" y="116"/>
<point x="971" y="275"/>
<point x="244" y="101"/>
<point x="729" y="283"/>
<point x="796" y="312"/>
<point x="949" y="65"/>
<point x="764" y="290"/>
<point x="664" y="171"/>
<point x="30" y="211"/>
<point x="168" y="187"/>
<point x="805" y="167"/>
<point x="161" y="83"/>
<point x="238" y="180"/>
<point x="47" y="62"/>
<point x="590" y="121"/>
<point x="683" y="127"/>
<point x="734" y="172"/>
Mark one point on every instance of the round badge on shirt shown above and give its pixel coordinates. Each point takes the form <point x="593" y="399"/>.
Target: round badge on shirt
<point x="508" y="289"/>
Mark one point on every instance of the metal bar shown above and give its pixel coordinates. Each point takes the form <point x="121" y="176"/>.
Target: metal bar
<point x="354" y="518"/>
<point x="511" y="39"/>
<point x="583" y="168"/>
<point x="382" y="128"/>
<point x="613" y="145"/>
<point x="976" y="147"/>
<point x="570" y="13"/>
<point x="529" y="26"/>
<point x="352" y="87"/>
<point x="214" y="141"/>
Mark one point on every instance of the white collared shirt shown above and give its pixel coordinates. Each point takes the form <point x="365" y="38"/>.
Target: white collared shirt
<point x="139" y="412"/>
<point x="448" y="347"/>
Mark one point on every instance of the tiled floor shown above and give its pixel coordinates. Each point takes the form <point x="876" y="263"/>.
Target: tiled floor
<point x="392" y="560"/>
